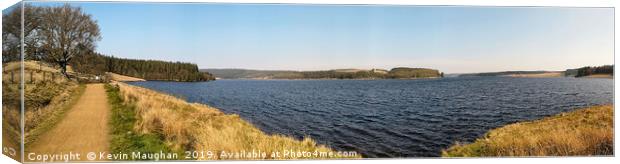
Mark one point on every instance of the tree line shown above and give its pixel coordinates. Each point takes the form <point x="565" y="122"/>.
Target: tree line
<point x="65" y="35"/>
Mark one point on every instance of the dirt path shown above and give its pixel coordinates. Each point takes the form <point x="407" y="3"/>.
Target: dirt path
<point x="84" y="128"/>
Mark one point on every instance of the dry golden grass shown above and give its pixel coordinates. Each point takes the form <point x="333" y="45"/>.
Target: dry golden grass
<point x="192" y="126"/>
<point x="34" y="71"/>
<point x="608" y="76"/>
<point x="33" y="65"/>
<point x="584" y="132"/>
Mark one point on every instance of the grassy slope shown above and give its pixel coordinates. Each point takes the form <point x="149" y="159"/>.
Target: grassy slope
<point x="539" y="75"/>
<point x="190" y="126"/>
<point x="583" y="132"/>
<point x="118" y="77"/>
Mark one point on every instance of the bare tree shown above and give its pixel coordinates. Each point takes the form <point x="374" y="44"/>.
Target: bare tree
<point x="66" y="32"/>
<point x="10" y="35"/>
<point x="11" y="28"/>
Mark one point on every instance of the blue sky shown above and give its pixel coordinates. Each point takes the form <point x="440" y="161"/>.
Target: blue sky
<point x="318" y="37"/>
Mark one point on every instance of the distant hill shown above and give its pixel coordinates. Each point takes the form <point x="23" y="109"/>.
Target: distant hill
<point x="516" y="74"/>
<point x="396" y="73"/>
<point x="249" y="74"/>
<point x="595" y="71"/>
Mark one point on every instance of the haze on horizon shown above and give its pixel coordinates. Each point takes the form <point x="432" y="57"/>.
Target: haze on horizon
<point x="320" y="37"/>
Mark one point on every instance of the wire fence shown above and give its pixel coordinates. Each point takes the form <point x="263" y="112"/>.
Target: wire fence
<point x="37" y="76"/>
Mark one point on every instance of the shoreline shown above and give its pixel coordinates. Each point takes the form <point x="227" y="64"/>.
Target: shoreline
<point x="267" y="79"/>
<point x="584" y="131"/>
<point x="195" y="126"/>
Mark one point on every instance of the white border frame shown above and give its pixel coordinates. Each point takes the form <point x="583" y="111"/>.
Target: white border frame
<point x="521" y="3"/>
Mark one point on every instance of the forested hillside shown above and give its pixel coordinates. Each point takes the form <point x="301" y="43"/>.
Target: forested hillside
<point x="586" y="71"/>
<point x="94" y="63"/>
<point x="404" y="72"/>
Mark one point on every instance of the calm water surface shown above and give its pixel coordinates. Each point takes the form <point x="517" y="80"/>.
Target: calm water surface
<point x="392" y="118"/>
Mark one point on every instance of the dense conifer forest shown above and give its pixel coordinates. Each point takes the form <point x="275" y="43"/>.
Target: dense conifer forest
<point x="94" y="63"/>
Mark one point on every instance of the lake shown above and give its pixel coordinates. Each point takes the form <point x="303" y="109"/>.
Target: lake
<point x="392" y="118"/>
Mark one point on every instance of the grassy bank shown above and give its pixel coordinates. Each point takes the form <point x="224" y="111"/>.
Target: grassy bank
<point x="41" y="120"/>
<point x="122" y="122"/>
<point x="583" y="132"/>
<point x="183" y="126"/>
